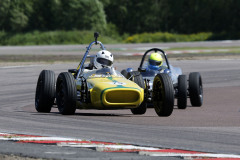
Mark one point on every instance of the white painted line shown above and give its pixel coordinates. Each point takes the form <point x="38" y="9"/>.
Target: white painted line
<point x="174" y="52"/>
<point x="103" y="147"/>
<point x="67" y="153"/>
<point x="79" y="145"/>
<point x="207" y="50"/>
<point x="122" y="147"/>
<point x="127" y="54"/>
<point x="188" y="155"/>
<point x="24" y="66"/>
<point x="37" y="138"/>
<point x="129" y="147"/>
<point x="192" y="51"/>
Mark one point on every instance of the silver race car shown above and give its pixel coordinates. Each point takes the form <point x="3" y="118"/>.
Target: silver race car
<point x="183" y="88"/>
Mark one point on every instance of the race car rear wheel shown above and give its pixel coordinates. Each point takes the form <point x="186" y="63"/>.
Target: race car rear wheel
<point x="163" y="95"/>
<point x="45" y="91"/>
<point x="182" y="92"/>
<point x="138" y="79"/>
<point x="124" y="73"/>
<point x="195" y="89"/>
<point x="66" y="93"/>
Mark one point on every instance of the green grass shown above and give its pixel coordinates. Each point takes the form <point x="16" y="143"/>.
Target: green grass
<point x="85" y="37"/>
<point x="51" y="37"/>
<point x="167" y="37"/>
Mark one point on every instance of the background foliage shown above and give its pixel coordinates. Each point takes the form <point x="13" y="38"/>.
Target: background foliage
<point x="167" y="37"/>
<point x="181" y="16"/>
<point x="130" y="21"/>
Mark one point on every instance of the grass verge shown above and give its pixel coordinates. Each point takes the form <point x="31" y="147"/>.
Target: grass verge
<point x="51" y="37"/>
<point x="84" y="37"/>
<point x="167" y="37"/>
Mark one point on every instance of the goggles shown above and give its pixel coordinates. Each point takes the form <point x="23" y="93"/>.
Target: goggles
<point x="154" y="62"/>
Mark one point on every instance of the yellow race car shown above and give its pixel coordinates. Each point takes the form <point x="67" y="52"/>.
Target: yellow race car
<point x="104" y="88"/>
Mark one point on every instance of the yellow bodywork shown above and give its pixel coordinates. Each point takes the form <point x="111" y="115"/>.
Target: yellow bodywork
<point x="112" y="93"/>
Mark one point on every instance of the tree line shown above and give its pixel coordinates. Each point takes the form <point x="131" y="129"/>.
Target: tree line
<point x="124" y="16"/>
<point x="45" y="15"/>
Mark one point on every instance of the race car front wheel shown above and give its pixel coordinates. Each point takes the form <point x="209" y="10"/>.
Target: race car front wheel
<point x="66" y="93"/>
<point x="163" y="95"/>
<point x="45" y="91"/>
<point x="182" y="92"/>
<point x="138" y="79"/>
<point x="195" y="89"/>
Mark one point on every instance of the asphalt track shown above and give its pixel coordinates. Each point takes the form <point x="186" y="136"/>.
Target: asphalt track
<point x="214" y="127"/>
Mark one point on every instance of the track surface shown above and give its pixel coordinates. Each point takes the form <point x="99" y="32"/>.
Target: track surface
<point x="214" y="127"/>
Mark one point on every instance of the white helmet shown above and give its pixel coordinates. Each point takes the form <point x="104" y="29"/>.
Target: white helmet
<point x="103" y="58"/>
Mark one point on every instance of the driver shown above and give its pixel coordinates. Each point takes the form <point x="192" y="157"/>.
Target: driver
<point x="103" y="59"/>
<point x="155" y="61"/>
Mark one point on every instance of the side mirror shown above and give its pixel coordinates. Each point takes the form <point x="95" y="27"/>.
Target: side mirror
<point x="141" y="69"/>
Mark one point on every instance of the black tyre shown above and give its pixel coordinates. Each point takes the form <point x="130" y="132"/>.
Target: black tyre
<point x="140" y="109"/>
<point x="182" y="92"/>
<point x="195" y="89"/>
<point x="45" y="91"/>
<point x="66" y="93"/>
<point x="163" y="95"/>
<point x="124" y="73"/>
<point x="138" y="79"/>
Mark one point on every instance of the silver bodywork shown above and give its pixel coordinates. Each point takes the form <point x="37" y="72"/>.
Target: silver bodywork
<point x="174" y="72"/>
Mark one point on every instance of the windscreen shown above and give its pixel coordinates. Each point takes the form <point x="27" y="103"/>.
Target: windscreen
<point x="103" y="72"/>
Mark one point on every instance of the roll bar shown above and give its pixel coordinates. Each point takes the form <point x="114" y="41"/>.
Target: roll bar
<point x="80" y="67"/>
<point x="150" y="50"/>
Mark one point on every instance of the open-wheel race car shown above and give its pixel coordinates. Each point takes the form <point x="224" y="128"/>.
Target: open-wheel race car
<point x="156" y="67"/>
<point x="95" y="84"/>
